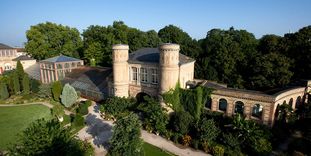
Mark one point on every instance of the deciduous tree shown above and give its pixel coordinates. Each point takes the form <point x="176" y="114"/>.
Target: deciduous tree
<point x="126" y="137"/>
<point x="48" y="39"/>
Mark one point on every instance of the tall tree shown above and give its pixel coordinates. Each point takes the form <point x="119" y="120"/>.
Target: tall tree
<point x="116" y="33"/>
<point x="48" y="39"/>
<point x="299" y="48"/>
<point x="126" y="137"/>
<point x="49" y="138"/>
<point x="93" y="53"/>
<point x="57" y="90"/>
<point x="26" y="84"/>
<point x="227" y="54"/>
<point x="4" y="93"/>
<point x="20" y="71"/>
<point x="173" y="34"/>
<point x="16" y="83"/>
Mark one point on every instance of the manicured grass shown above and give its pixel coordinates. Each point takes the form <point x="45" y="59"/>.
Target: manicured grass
<point x="151" y="150"/>
<point x="15" y="119"/>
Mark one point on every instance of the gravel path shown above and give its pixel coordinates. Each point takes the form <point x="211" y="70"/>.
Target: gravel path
<point x="99" y="131"/>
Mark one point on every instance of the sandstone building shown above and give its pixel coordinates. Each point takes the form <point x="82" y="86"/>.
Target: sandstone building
<point x="9" y="57"/>
<point x="154" y="71"/>
<point x="149" y="70"/>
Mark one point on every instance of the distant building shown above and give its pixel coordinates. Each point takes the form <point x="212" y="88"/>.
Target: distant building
<point x="7" y="54"/>
<point x="56" y="68"/>
<point x="25" y="60"/>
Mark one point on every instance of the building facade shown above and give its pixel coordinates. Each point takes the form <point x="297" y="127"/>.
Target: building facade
<point x="154" y="71"/>
<point x="56" y="68"/>
<point x="7" y="54"/>
<point x="149" y="70"/>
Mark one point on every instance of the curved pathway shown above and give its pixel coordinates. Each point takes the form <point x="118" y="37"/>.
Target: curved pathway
<point x="99" y="131"/>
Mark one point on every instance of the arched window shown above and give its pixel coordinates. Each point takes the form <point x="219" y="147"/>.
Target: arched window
<point x="222" y="105"/>
<point x="291" y="102"/>
<point x="208" y="103"/>
<point x="257" y="111"/>
<point x="298" y="102"/>
<point x="239" y="107"/>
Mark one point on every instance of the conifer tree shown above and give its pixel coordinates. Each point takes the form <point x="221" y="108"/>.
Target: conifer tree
<point x="26" y="84"/>
<point x="4" y="94"/>
<point x="69" y="95"/>
<point x="20" y="71"/>
<point x="57" y="90"/>
<point x="16" y="84"/>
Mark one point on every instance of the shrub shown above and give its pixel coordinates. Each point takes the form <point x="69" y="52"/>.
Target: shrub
<point x="83" y="109"/>
<point x="57" y="111"/>
<point x="49" y="138"/>
<point x="181" y="122"/>
<point x="4" y="93"/>
<point x="186" y="140"/>
<point x="126" y="137"/>
<point x="88" y="102"/>
<point x="26" y="84"/>
<point x="154" y="115"/>
<point x="206" y="147"/>
<point x="176" y="137"/>
<point x="195" y="143"/>
<point x="45" y="91"/>
<point x="207" y="130"/>
<point x="78" y="120"/>
<point x="218" y="150"/>
<point x="69" y="95"/>
<point x="56" y="90"/>
<point x="34" y="85"/>
<point x="16" y="84"/>
<point x="116" y="105"/>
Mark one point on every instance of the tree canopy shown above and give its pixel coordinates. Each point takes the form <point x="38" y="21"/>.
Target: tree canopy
<point x="231" y="56"/>
<point x="48" y="39"/>
<point x="126" y="137"/>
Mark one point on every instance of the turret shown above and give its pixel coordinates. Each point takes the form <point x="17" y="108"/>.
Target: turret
<point x="120" y="55"/>
<point x="169" y="66"/>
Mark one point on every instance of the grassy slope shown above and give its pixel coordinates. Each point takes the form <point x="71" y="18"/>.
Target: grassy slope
<point x="14" y="120"/>
<point x="151" y="150"/>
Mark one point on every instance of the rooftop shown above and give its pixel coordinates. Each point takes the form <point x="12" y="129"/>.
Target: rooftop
<point x="152" y="55"/>
<point x="89" y="80"/>
<point x="61" y="58"/>
<point x="4" y="46"/>
<point x="23" y="58"/>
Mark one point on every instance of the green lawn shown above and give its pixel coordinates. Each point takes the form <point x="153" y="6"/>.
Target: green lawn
<point x="15" y="119"/>
<point x="151" y="150"/>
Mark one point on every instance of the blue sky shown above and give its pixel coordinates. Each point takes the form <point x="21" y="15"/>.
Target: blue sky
<point x="196" y="17"/>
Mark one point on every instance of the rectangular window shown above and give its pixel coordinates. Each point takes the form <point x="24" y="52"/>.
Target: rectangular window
<point x="134" y="72"/>
<point x="154" y="76"/>
<point x="143" y="74"/>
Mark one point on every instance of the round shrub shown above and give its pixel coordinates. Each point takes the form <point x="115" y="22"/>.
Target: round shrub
<point x="82" y="109"/>
<point x="78" y="120"/>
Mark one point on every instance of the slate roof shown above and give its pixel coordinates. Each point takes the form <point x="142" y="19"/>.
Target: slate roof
<point x="23" y="58"/>
<point x="61" y="58"/>
<point x="3" y="46"/>
<point x="90" y="80"/>
<point x="152" y="55"/>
